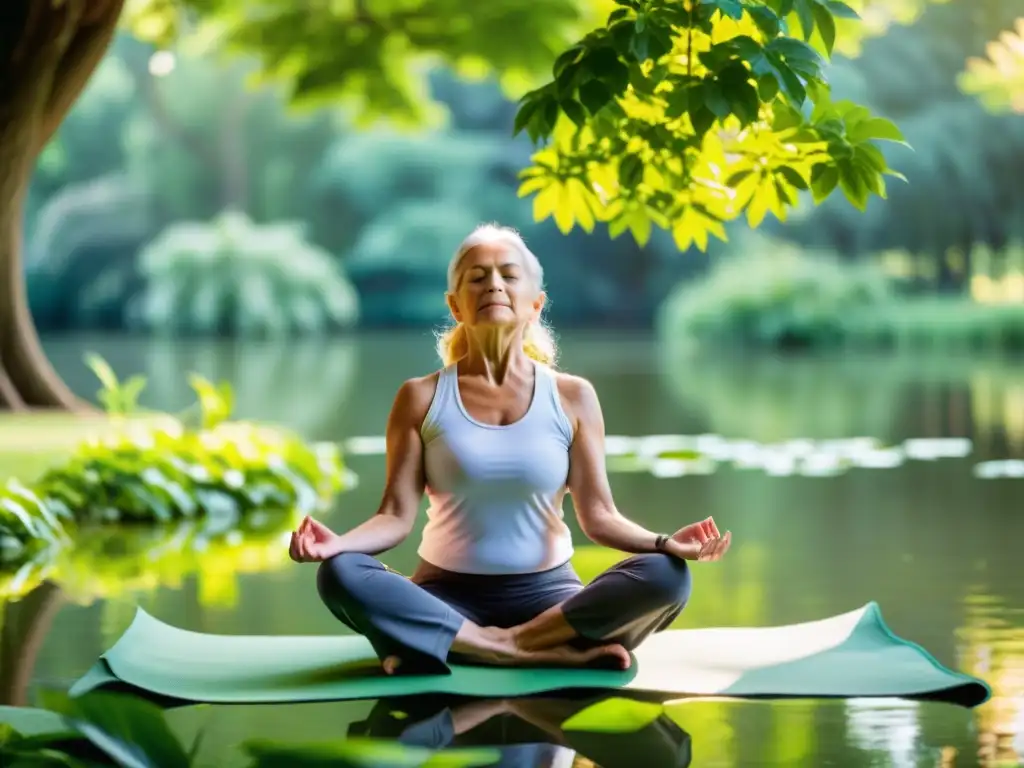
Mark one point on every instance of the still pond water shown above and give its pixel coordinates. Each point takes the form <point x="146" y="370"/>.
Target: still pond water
<point x="931" y="529"/>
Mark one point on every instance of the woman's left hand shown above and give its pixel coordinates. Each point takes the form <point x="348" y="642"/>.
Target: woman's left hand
<point x="311" y="542"/>
<point x="699" y="541"/>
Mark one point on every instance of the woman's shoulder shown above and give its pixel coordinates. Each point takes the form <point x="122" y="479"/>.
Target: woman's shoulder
<point x="577" y="394"/>
<point x="416" y="394"/>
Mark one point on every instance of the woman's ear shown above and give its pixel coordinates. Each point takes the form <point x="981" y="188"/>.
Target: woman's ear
<point x="453" y="307"/>
<point x="538" y="304"/>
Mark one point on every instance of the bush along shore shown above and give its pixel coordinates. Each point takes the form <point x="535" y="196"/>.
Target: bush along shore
<point x="775" y="296"/>
<point x="161" y="470"/>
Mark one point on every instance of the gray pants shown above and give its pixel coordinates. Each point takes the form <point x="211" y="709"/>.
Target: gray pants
<point x="417" y="618"/>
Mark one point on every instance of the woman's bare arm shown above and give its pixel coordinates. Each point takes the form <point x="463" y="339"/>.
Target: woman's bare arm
<point x="404" y="485"/>
<point x="591" y="492"/>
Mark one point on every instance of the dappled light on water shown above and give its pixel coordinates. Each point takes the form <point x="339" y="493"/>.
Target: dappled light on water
<point x="992" y="647"/>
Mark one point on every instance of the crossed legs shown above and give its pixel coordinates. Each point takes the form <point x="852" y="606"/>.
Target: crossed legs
<point x="421" y="628"/>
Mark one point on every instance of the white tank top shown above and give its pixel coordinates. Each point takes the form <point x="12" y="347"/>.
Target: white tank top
<point x="496" y="491"/>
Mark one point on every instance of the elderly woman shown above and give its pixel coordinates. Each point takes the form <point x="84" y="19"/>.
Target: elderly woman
<point x="495" y="439"/>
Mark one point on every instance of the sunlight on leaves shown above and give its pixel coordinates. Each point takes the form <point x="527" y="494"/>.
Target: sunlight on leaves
<point x="998" y="78"/>
<point x="686" y="118"/>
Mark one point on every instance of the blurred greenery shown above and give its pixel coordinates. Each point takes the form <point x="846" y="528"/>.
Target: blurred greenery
<point x="773" y="294"/>
<point x="998" y="78"/>
<point x="776" y="295"/>
<point x="637" y="108"/>
<point x="219" y="472"/>
<point x="102" y="728"/>
<point x="233" y="277"/>
<point x="963" y="187"/>
<point x="208" y="123"/>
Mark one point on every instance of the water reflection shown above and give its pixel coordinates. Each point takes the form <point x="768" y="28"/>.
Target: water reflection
<point x="667" y="456"/>
<point x="936" y="544"/>
<point x="303" y="384"/>
<point x="992" y="645"/>
<point x="527" y="731"/>
<point x="771" y="399"/>
<point x="888" y="729"/>
<point x="120" y="566"/>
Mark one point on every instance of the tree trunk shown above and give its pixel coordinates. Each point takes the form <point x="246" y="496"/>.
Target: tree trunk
<point x="48" y="52"/>
<point x="26" y="623"/>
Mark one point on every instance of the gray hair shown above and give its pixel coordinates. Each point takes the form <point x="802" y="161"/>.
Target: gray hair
<point x="538" y="340"/>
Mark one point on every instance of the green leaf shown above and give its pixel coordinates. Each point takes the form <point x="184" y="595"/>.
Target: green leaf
<point x="875" y="128"/>
<point x="767" y="87"/>
<point x="824" y="179"/>
<point x="793" y="177"/>
<point x="525" y="115"/>
<point x="702" y="119"/>
<point x="716" y="100"/>
<point x="604" y="64"/>
<point x="130" y="730"/>
<point x="841" y="10"/>
<point x="568" y="57"/>
<point x="617" y="15"/>
<point x="737" y="177"/>
<point x="731" y="8"/>
<point x="29" y="721"/>
<point x="800" y="57"/>
<point x="789" y="83"/>
<point x="614" y="715"/>
<point x="853" y="184"/>
<point x="130" y="392"/>
<point x="826" y="26"/>
<point x="214" y="405"/>
<point x="594" y="95"/>
<point x="640" y="44"/>
<point x="743" y="101"/>
<point x="766" y="20"/>
<point x="102" y="369"/>
<point x="805" y="13"/>
<point x="574" y="111"/>
<point x="631" y="170"/>
<point x="31" y="526"/>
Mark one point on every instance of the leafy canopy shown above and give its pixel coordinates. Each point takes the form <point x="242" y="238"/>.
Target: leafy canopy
<point x="688" y="115"/>
<point x="678" y="114"/>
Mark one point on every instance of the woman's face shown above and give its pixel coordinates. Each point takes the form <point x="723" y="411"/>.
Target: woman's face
<point x="494" y="287"/>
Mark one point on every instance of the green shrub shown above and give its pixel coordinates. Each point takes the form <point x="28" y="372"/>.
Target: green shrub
<point x="234" y="277"/>
<point x="162" y="471"/>
<point x="772" y="294"/>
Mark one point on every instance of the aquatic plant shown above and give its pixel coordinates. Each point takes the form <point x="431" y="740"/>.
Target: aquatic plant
<point x="160" y="469"/>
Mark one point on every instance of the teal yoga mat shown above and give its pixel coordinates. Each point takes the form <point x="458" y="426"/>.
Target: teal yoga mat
<point x="850" y="655"/>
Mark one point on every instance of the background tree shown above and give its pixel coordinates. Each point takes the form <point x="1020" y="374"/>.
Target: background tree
<point x="964" y="189"/>
<point x="677" y="115"/>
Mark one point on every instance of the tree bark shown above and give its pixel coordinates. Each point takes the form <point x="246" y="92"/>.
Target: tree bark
<point x="48" y="52"/>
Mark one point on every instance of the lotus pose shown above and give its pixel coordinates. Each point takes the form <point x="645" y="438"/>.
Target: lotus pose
<point x="495" y="439"/>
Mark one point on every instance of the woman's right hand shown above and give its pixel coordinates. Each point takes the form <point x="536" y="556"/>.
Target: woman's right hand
<point x="312" y="542"/>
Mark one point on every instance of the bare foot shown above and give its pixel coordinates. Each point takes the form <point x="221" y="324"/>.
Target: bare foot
<point x="492" y="645"/>
<point x="391" y="664"/>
